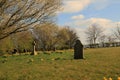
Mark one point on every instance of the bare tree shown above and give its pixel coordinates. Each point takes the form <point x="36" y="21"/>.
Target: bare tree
<point x="67" y="37"/>
<point x="93" y="33"/>
<point x="24" y="41"/>
<point x="47" y="35"/>
<point x="117" y="32"/>
<point x="20" y="15"/>
<point x="102" y="40"/>
<point x="72" y="37"/>
<point x="50" y="36"/>
<point x="111" y="39"/>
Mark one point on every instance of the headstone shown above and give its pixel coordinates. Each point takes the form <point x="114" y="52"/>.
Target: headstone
<point x="34" y="51"/>
<point x="78" y="50"/>
<point x="14" y="51"/>
<point x="24" y="50"/>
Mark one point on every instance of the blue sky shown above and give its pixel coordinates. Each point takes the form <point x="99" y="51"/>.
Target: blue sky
<point x="80" y="14"/>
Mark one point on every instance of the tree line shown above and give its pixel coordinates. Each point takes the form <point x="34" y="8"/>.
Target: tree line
<point x="47" y="37"/>
<point x="17" y="16"/>
<point x="25" y="21"/>
<point x="96" y="37"/>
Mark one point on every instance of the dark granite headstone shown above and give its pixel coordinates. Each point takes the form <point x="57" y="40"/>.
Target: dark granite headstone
<point x="78" y="50"/>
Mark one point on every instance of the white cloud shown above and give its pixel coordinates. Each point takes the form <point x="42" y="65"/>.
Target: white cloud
<point x="78" y="17"/>
<point x="80" y="34"/>
<point x="105" y="23"/>
<point x="81" y="25"/>
<point x="71" y="6"/>
<point x="80" y="22"/>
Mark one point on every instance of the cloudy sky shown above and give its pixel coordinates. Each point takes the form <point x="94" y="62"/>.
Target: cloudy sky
<point x="80" y="14"/>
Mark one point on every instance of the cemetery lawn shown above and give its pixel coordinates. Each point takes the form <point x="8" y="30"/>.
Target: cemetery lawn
<point x="98" y="63"/>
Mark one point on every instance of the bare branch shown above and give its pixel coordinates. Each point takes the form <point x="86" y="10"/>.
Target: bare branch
<point x="17" y="15"/>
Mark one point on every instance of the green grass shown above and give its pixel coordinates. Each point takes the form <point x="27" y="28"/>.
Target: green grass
<point x="98" y="63"/>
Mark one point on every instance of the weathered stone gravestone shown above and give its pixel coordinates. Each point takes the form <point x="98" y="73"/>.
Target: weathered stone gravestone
<point x="78" y="50"/>
<point x="34" y="51"/>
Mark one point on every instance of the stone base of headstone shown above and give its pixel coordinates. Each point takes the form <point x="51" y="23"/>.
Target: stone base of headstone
<point x="34" y="53"/>
<point x="78" y="57"/>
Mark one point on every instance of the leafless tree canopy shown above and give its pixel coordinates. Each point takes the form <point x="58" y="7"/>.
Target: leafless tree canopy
<point x="20" y="15"/>
<point x="117" y="32"/>
<point x="93" y="32"/>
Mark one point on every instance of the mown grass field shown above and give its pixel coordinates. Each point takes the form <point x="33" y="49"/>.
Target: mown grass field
<point x="98" y="63"/>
